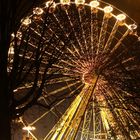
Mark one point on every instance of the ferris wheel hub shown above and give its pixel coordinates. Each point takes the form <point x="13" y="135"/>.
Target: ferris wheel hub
<point x="89" y="77"/>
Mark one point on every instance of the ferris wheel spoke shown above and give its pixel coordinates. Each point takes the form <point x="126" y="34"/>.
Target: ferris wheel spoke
<point x="74" y="58"/>
<point x="94" y="33"/>
<point x="59" y="80"/>
<point x="68" y="72"/>
<point x="44" y="114"/>
<point x="76" y="37"/>
<point x="81" y="24"/>
<point x="102" y="35"/>
<point x="67" y="68"/>
<point x="37" y="33"/>
<point x="62" y="89"/>
<point x="111" y="36"/>
<point x="67" y="36"/>
<point x="120" y="41"/>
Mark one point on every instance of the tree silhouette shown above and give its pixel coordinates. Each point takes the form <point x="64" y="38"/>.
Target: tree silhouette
<point x="12" y="65"/>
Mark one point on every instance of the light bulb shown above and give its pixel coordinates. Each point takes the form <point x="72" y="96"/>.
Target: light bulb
<point x="79" y="2"/>
<point x="121" y="17"/>
<point x="132" y="26"/>
<point x="37" y="11"/>
<point x="94" y="4"/>
<point x="49" y="3"/>
<point x="26" y="21"/>
<point x="65" y="2"/>
<point x="29" y="128"/>
<point x="108" y="9"/>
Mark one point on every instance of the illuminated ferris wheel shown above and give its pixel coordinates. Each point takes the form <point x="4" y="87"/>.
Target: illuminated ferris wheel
<point x="83" y="53"/>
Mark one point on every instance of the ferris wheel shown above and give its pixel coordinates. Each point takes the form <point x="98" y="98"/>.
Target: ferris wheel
<point x="81" y="54"/>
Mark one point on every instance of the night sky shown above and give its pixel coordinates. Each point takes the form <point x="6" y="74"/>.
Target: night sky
<point x="130" y="7"/>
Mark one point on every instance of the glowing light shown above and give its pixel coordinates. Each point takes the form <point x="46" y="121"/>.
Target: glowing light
<point x="19" y="35"/>
<point x="11" y="50"/>
<point x="108" y="9"/>
<point x="88" y="78"/>
<point x="29" y="128"/>
<point x="79" y="1"/>
<point x="49" y="3"/>
<point x="15" y="90"/>
<point x="65" y="2"/>
<point x="132" y="27"/>
<point x="37" y="11"/>
<point x="121" y="17"/>
<point x="12" y="35"/>
<point x="94" y="4"/>
<point x="26" y="21"/>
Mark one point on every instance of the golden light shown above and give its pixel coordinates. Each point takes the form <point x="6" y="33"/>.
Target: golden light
<point x="12" y="35"/>
<point x="94" y="4"/>
<point x="65" y="2"/>
<point x="11" y="50"/>
<point x="108" y="9"/>
<point x="132" y="27"/>
<point x="38" y="11"/>
<point x="19" y="35"/>
<point x="49" y="3"/>
<point x="26" y="21"/>
<point x="29" y="128"/>
<point x="121" y="17"/>
<point x="79" y="2"/>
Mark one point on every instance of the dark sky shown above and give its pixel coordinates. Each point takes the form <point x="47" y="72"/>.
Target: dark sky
<point x="130" y="7"/>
